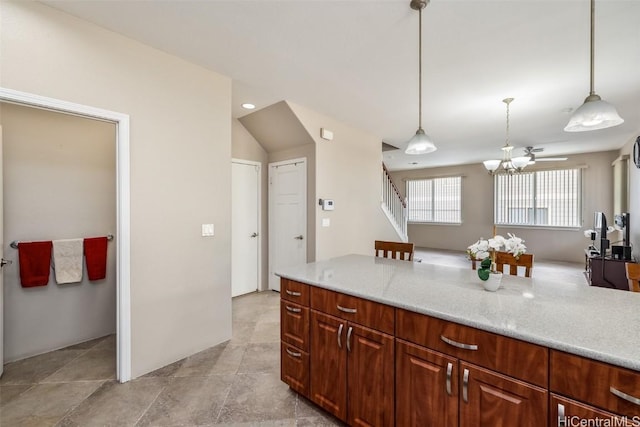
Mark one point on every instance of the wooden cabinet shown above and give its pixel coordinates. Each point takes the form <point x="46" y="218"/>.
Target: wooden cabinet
<point x="566" y="413"/>
<point x="595" y="383"/>
<point x="294" y="335"/>
<point x="351" y="371"/>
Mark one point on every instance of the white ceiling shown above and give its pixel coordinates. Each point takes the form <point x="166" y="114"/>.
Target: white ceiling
<point x="357" y="61"/>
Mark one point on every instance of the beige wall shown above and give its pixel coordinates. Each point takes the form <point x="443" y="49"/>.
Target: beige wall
<point x="477" y="209"/>
<point x="347" y="171"/>
<point x="59" y="183"/>
<point x="634" y="198"/>
<point x="180" y="167"/>
<point x="245" y="147"/>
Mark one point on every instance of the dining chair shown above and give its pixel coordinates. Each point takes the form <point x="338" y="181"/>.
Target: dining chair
<point x="633" y="276"/>
<point x="524" y="260"/>
<point x="394" y="250"/>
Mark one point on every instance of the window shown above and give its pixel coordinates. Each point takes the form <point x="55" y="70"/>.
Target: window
<point x="435" y="200"/>
<point x="543" y="198"/>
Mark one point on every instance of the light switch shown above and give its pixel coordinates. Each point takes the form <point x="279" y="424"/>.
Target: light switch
<point x="326" y="222"/>
<point x="207" y="230"/>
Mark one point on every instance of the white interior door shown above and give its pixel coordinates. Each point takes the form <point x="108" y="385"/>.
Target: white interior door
<point x="245" y="223"/>
<point x="2" y="263"/>
<point x="287" y="216"/>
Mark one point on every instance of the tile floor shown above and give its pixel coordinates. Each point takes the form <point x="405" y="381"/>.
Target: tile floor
<point x="236" y="383"/>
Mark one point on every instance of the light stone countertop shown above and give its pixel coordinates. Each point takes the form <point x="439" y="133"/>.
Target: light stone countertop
<point x="599" y="323"/>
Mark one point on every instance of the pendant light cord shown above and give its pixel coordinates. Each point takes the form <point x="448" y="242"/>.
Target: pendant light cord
<point x="420" y="69"/>
<point x="593" y="19"/>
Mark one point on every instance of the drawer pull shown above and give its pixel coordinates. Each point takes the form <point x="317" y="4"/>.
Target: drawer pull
<point x="465" y="386"/>
<point x="625" y="396"/>
<point x="449" y="372"/>
<point x="292" y="293"/>
<point x="562" y="419"/>
<point x="347" y="310"/>
<point x="458" y="344"/>
<point x="292" y="309"/>
<point x="349" y="338"/>
<point x="340" y="335"/>
<point x="293" y="353"/>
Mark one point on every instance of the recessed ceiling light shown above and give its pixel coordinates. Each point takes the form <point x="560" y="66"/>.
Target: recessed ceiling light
<point x="567" y="110"/>
<point x="248" y="106"/>
<point x="413" y="163"/>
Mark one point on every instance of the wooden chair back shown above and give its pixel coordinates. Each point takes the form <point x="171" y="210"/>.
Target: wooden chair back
<point x="633" y="275"/>
<point x="524" y="260"/>
<point x="394" y="250"/>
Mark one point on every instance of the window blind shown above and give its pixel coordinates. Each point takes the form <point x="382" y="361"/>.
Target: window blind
<point x="541" y="198"/>
<point x="434" y="200"/>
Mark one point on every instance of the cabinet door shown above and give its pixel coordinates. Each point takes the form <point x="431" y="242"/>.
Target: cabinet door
<point x="426" y="387"/>
<point x="489" y="399"/>
<point x="566" y="412"/>
<point x="328" y="360"/>
<point x="370" y="383"/>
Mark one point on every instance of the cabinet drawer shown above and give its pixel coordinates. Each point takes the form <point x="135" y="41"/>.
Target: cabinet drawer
<point x="294" y="368"/>
<point x="367" y="313"/>
<point x="566" y="412"/>
<point x="519" y="359"/>
<point x="294" y="291"/>
<point x="605" y="386"/>
<point x="294" y="324"/>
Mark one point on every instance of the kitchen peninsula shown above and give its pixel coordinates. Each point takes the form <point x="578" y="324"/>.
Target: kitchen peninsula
<point x="385" y="342"/>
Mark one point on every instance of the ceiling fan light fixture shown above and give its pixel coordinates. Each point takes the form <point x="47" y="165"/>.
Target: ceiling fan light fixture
<point x="509" y="164"/>
<point x="492" y="165"/>
<point x="420" y="143"/>
<point x="594" y="113"/>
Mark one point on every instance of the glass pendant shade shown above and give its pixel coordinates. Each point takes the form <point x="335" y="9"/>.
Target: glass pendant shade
<point x="594" y="114"/>
<point x="520" y="162"/>
<point x="492" y="165"/>
<point x="421" y="143"/>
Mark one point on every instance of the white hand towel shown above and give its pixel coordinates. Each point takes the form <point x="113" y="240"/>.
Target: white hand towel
<point x="67" y="260"/>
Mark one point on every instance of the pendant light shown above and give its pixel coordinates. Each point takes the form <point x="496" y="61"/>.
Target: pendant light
<point x="510" y="165"/>
<point x="594" y="113"/>
<point x="421" y="143"/>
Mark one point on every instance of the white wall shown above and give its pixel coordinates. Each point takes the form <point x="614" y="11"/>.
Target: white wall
<point x="348" y="171"/>
<point x="477" y="209"/>
<point x="245" y="147"/>
<point x="180" y="167"/>
<point x="59" y="182"/>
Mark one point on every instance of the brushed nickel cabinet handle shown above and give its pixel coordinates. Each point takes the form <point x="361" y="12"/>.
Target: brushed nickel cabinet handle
<point x="625" y="396"/>
<point x="340" y="335"/>
<point x="293" y="353"/>
<point x="292" y="309"/>
<point x="449" y="372"/>
<point x="349" y="338"/>
<point x="458" y="344"/>
<point x="292" y="293"/>
<point x="562" y="419"/>
<point x="347" y="310"/>
<point x="465" y="386"/>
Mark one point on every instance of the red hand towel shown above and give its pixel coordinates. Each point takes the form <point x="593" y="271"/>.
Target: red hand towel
<point x="35" y="260"/>
<point x="95" y="253"/>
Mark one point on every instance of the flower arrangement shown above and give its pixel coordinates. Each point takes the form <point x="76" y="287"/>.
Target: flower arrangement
<point x="485" y="250"/>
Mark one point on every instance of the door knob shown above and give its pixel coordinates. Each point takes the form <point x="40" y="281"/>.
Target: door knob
<point x="299" y="237"/>
<point x="254" y="235"/>
<point x="4" y="262"/>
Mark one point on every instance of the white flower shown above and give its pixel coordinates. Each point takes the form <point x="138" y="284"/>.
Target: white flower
<point x="484" y="248"/>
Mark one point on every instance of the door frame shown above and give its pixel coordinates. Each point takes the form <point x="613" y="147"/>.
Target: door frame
<point x="302" y="160"/>
<point x="123" y="209"/>
<point x="259" y="231"/>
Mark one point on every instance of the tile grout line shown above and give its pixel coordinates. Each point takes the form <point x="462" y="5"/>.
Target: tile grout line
<point x="152" y="402"/>
<point x="71" y="409"/>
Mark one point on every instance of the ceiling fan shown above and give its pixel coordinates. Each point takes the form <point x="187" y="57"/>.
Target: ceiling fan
<point x="530" y="152"/>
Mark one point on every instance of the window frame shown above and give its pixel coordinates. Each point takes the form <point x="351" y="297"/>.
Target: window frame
<point x="433" y="180"/>
<point x="580" y="193"/>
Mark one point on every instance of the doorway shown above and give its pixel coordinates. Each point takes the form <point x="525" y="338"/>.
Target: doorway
<point x="245" y="227"/>
<point x="287" y="216"/>
<point x="122" y="234"/>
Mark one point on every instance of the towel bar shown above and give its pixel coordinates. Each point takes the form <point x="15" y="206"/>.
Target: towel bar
<point x="14" y="244"/>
